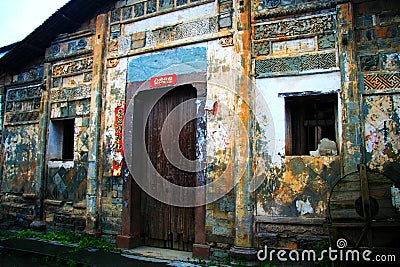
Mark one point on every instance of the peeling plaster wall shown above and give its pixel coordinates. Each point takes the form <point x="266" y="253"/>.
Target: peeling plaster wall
<point x="167" y="30"/>
<point x="111" y="190"/>
<point x="20" y="159"/>
<point x="69" y="98"/>
<point x="126" y="35"/>
<point x="378" y="58"/>
<point x="222" y="123"/>
<point x="298" y="47"/>
<point x="20" y="146"/>
<point x="294" y="54"/>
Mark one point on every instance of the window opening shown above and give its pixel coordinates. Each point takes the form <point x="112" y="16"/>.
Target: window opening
<point x="309" y="119"/>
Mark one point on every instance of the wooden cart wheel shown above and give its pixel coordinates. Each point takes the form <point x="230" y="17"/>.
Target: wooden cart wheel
<point x="362" y="212"/>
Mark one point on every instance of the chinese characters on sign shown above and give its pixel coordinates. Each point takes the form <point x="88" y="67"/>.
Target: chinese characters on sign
<point x="118" y="148"/>
<point x="164" y="80"/>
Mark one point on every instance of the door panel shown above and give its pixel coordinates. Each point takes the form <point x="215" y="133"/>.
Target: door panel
<point x="164" y="225"/>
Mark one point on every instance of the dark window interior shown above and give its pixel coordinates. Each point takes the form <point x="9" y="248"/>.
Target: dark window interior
<point x="61" y="139"/>
<point x="309" y="119"/>
<point x="68" y="139"/>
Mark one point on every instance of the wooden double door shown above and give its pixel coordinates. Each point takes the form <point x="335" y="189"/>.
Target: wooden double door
<point x="163" y="225"/>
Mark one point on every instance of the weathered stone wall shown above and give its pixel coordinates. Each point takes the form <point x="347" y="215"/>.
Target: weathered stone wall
<point x="377" y="41"/>
<point x="205" y="46"/>
<point x="367" y="100"/>
<point x="299" y="48"/>
<point x="295" y="54"/>
<point x="70" y="56"/>
<point x="20" y="135"/>
<point x="221" y="126"/>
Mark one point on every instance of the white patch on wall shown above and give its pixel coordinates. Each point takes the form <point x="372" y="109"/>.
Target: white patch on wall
<point x="59" y="164"/>
<point x="294" y="46"/>
<point x="304" y="207"/>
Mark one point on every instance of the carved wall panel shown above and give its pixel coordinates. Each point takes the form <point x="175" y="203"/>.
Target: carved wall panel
<point x="381" y="82"/>
<point x="226" y="41"/>
<point x="316" y="24"/>
<point x="34" y="74"/>
<point x="73" y="67"/>
<point x="23" y="104"/>
<point x="181" y="31"/>
<point x="70" y="94"/>
<point x="326" y="41"/>
<point x="70" y="108"/>
<point x="71" y="47"/>
<point x="295" y="65"/>
<point x="295" y="45"/>
<point x="276" y="8"/>
<point x="262" y="48"/>
<point x="20" y="155"/>
<point x="137" y="9"/>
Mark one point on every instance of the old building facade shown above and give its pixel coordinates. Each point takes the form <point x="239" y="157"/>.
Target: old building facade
<point x="289" y="98"/>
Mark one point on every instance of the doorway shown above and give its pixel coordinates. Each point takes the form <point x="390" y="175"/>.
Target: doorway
<point x="163" y="225"/>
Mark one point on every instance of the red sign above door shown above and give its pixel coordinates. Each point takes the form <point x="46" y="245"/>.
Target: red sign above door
<point x="164" y="80"/>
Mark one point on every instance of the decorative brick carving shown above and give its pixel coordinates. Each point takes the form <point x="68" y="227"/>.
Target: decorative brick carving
<point x="24" y="93"/>
<point x="80" y="107"/>
<point x="165" y="4"/>
<point x="181" y="31"/>
<point x="127" y="13"/>
<point x="73" y="67"/>
<point x="326" y="42"/>
<point x="71" y="47"/>
<point x="87" y="77"/>
<point x="22" y="117"/>
<point x="33" y="74"/>
<point x="57" y="82"/>
<point x="138" y="9"/>
<point x="316" y="24"/>
<point x="369" y="63"/>
<point x="143" y="8"/>
<point x="271" y="3"/>
<point x="113" y="46"/>
<point x="81" y="44"/>
<point x="55" y="49"/>
<point x="151" y="6"/>
<point x="262" y="49"/>
<point x="279" y="8"/>
<point x="381" y="82"/>
<point x="390" y="62"/>
<point x="112" y="63"/>
<point x="23" y="104"/>
<point x="181" y="2"/>
<point x="225" y="6"/>
<point x="293" y="65"/>
<point x="115" y="15"/>
<point x="226" y="41"/>
<point x="70" y="94"/>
